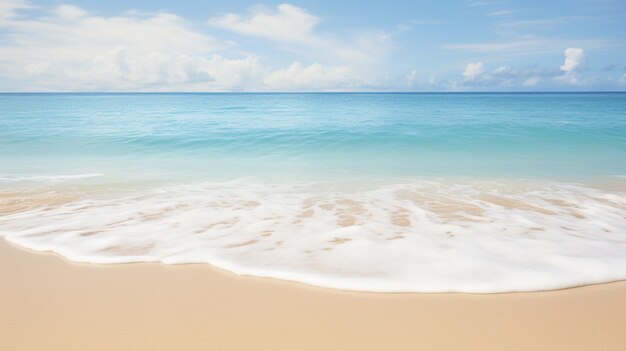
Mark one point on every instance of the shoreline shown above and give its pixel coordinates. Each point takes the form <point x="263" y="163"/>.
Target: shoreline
<point x="359" y="242"/>
<point x="49" y="303"/>
<point x="302" y="284"/>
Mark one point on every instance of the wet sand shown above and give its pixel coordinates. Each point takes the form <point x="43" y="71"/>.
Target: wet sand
<point x="48" y="303"/>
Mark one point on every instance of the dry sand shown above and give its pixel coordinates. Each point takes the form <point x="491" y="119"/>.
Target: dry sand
<point x="47" y="303"/>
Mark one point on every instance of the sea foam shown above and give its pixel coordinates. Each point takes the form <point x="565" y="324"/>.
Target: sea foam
<point x="47" y="178"/>
<point x="409" y="236"/>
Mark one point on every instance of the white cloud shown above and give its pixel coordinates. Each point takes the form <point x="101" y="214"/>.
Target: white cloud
<point x="9" y="8"/>
<point x="623" y="79"/>
<point x="119" y="68"/>
<point x="472" y="71"/>
<point x="296" y="29"/>
<point x="288" y="23"/>
<point x="509" y="77"/>
<point x="69" y="12"/>
<point x="70" y="49"/>
<point x="71" y="33"/>
<point x="531" y="82"/>
<point x="504" y="70"/>
<point x="573" y="59"/>
<point x="477" y="76"/>
<point x="313" y="77"/>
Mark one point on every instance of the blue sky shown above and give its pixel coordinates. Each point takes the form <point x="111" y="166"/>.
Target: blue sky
<point x="312" y="46"/>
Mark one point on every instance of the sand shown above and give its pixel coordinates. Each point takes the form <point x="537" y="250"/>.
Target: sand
<point x="47" y="303"/>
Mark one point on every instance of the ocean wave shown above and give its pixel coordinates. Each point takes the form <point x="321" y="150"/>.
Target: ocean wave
<point x="414" y="236"/>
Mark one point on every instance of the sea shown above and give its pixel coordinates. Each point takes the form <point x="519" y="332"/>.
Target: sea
<point x="380" y="192"/>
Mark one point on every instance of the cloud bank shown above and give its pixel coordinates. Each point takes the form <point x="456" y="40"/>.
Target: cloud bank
<point x="70" y="48"/>
<point x="67" y="48"/>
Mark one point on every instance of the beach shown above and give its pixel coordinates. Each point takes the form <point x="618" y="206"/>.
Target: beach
<point x="48" y="303"/>
<point x="313" y="222"/>
<point x="246" y="175"/>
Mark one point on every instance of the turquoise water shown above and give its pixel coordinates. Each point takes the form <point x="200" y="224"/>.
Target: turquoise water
<point x="557" y="136"/>
<point x="374" y="192"/>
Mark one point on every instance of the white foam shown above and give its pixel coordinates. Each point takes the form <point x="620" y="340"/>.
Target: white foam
<point x="419" y="236"/>
<point x="56" y="178"/>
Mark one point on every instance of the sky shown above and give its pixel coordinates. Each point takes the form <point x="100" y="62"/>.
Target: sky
<point x="403" y="45"/>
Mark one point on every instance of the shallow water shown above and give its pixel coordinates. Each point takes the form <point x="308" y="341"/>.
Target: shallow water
<point x="374" y="192"/>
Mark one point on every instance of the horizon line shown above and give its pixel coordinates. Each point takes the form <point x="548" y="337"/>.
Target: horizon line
<point x="316" y="92"/>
